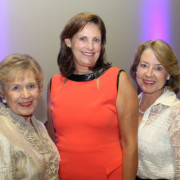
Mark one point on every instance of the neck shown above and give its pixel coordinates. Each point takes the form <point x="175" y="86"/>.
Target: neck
<point x="79" y="70"/>
<point x="27" y="118"/>
<point x="147" y="100"/>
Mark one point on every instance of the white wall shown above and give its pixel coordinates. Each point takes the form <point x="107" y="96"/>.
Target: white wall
<point x="34" y="26"/>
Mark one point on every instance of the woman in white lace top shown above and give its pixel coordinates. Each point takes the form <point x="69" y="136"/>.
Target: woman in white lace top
<point x="156" y="72"/>
<point x="26" y="150"/>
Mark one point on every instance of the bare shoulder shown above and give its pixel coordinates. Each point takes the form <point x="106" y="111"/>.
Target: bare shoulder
<point x="125" y="84"/>
<point x="127" y="99"/>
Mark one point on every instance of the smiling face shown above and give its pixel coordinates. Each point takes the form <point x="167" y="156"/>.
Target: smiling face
<point x="22" y="95"/>
<point x="86" y="47"/>
<point x="151" y="75"/>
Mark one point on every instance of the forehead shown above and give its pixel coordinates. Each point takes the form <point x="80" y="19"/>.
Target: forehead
<point x="90" y="28"/>
<point x="149" y="56"/>
<point x="21" y="75"/>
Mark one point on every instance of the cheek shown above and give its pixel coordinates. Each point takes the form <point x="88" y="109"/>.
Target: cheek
<point x="163" y="78"/>
<point x="137" y="80"/>
<point x="36" y="95"/>
<point x="10" y="97"/>
<point x="12" y="102"/>
<point x="139" y="77"/>
<point x="76" y="50"/>
<point x="76" y="45"/>
<point x="98" y="48"/>
<point x="138" y="74"/>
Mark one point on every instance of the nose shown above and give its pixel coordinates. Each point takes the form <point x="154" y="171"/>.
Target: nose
<point x="90" y="45"/>
<point x="149" y="72"/>
<point x="25" y="93"/>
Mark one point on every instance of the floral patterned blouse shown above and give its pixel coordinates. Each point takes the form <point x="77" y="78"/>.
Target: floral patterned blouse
<point x="26" y="151"/>
<point x="159" y="139"/>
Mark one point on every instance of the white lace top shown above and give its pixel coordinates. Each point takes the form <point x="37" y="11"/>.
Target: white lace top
<point x="159" y="139"/>
<point x="26" y="152"/>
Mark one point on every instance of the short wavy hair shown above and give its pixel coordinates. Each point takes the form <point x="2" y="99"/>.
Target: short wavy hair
<point x="166" y="56"/>
<point x="75" y="24"/>
<point x="14" y="66"/>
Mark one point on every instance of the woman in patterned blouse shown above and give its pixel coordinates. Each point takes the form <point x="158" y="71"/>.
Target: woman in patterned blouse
<point x="156" y="72"/>
<point x="26" y="151"/>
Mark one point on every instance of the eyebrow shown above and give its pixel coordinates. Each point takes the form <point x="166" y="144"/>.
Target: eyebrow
<point x="144" y="61"/>
<point x="19" y="83"/>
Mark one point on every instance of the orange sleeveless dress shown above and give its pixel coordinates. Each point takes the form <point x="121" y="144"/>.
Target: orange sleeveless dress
<point x="87" y="130"/>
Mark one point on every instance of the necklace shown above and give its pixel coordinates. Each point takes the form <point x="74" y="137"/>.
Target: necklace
<point x="139" y="107"/>
<point x="141" y="111"/>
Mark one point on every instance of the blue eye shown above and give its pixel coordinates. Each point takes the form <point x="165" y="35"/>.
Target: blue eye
<point x="143" y="65"/>
<point x="83" y="38"/>
<point x="97" y="40"/>
<point x="15" y="88"/>
<point x="31" y="86"/>
<point x="158" y="68"/>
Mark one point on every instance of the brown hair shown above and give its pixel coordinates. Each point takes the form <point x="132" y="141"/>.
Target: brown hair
<point x="74" y="25"/>
<point x="166" y="56"/>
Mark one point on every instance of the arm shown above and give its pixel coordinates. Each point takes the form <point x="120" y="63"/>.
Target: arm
<point x="175" y="137"/>
<point x="50" y="126"/>
<point x="127" y="109"/>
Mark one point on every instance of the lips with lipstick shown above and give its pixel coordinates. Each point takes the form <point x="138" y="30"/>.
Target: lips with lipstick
<point x="88" y="53"/>
<point x="25" y="104"/>
<point x="148" y="82"/>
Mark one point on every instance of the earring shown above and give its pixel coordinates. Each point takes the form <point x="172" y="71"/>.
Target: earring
<point x="168" y="77"/>
<point x="4" y="101"/>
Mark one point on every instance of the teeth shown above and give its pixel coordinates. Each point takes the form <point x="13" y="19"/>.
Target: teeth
<point x="150" y="82"/>
<point x="89" y="54"/>
<point x="25" y="103"/>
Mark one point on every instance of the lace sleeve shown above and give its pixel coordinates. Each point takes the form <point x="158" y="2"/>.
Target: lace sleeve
<point x="6" y="165"/>
<point x="175" y="136"/>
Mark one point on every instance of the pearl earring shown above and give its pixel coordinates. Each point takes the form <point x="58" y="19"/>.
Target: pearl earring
<point x="4" y="101"/>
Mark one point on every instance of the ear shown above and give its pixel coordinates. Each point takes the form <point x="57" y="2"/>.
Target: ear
<point x="68" y="42"/>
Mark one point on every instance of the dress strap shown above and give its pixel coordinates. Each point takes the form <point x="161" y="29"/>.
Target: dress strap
<point x="118" y="78"/>
<point x="50" y="82"/>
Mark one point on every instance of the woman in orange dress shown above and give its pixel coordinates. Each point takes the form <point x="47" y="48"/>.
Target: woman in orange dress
<point x="92" y="112"/>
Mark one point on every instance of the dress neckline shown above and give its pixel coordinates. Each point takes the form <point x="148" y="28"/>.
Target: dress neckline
<point x="89" y="77"/>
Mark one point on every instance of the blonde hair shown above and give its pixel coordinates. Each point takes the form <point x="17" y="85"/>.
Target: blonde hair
<point x="15" y="65"/>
